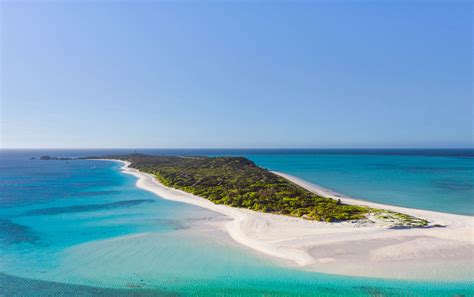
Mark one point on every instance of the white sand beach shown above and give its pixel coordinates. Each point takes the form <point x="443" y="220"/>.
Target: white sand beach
<point x="359" y="249"/>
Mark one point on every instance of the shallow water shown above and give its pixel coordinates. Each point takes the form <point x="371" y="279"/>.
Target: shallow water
<point x="83" y="227"/>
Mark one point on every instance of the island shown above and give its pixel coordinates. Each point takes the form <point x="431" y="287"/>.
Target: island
<point x="299" y="223"/>
<point x="50" y="158"/>
<point x="239" y="182"/>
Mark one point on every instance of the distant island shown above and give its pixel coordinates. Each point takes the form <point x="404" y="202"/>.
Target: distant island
<point x="48" y="158"/>
<point x="239" y="182"/>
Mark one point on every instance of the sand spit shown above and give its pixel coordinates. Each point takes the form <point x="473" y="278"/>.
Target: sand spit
<point x="349" y="248"/>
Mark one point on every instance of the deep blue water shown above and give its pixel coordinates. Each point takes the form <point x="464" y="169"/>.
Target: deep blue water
<point x="82" y="226"/>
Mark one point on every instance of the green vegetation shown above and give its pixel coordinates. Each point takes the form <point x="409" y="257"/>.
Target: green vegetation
<point x="400" y="220"/>
<point x="238" y="182"/>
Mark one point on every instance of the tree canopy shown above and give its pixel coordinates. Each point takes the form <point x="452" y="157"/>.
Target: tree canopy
<point x="238" y="182"/>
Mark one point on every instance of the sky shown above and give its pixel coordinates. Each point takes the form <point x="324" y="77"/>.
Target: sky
<point x="236" y="74"/>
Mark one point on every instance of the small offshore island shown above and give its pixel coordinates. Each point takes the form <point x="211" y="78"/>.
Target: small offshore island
<point x="305" y="225"/>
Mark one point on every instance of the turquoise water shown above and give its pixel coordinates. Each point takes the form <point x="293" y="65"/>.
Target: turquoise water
<point x="83" y="228"/>
<point x="439" y="183"/>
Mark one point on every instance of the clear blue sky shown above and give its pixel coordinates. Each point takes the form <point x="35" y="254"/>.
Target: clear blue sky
<point x="236" y="74"/>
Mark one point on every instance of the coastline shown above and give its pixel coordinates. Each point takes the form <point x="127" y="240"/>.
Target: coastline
<point x="348" y="248"/>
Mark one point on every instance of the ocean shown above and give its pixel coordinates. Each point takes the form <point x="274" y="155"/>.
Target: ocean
<point x="81" y="227"/>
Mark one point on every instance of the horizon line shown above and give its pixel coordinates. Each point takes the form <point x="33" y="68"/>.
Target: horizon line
<point x="250" y="148"/>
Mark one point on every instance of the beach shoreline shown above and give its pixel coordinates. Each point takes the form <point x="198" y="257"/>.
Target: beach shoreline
<point x="347" y="248"/>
